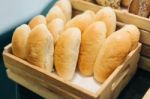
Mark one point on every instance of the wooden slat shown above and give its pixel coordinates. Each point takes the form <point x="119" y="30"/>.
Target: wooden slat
<point x="32" y="85"/>
<point x="51" y="78"/>
<point x="145" y="37"/>
<point x="145" y="50"/>
<point x="144" y="63"/>
<point x="122" y="16"/>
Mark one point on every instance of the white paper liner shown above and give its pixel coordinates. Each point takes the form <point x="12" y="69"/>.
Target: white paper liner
<point x="88" y="83"/>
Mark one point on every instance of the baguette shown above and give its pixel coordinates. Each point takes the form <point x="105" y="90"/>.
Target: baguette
<point x="66" y="7"/>
<point x="134" y="34"/>
<point x="108" y="16"/>
<point x="112" y="54"/>
<point x="19" y="41"/>
<point x="82" y="20"/>
<point x="91" y="41"/>
<point x="66" y="53"/>
<point x="56" y="27"/>
<point x="40" y="48"/>
<point x="40" y="19"/>
<point x="55" y="12"/>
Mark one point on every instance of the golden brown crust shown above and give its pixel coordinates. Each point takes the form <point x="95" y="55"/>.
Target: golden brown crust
<point x="40" y="47"/>
<point x="108" y="16"/>
<point x="66" y="7"/>
<point x="125" y="3"/>
<point x="112" y="54"/>
<point x="66" y="52"/>
<point x="55" y="12"/>
<point x="111" y="3"/>
<point x="40" y="19"/>
<point x="91" y="41"/>
<point x="82" y="20"/>
<point x="134" y="35"/>
<point x="56" y="27"/>
<point x="140" y="7"/>
<point x="19" y="41"/>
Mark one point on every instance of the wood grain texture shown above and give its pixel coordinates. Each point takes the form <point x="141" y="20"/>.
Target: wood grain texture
<point x="145" y="51"/>
<point x="144" y="63"/>
<point x="51" y="82"/>
<point x="122" y="16"/>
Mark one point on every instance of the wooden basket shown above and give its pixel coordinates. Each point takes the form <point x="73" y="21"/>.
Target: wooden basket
<point x="127" y="18"/>
<point x="50" y="85"/>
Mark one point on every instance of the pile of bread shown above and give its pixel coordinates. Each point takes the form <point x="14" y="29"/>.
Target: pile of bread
<point x="138" y="7"/>
<point x="88" y="42"/>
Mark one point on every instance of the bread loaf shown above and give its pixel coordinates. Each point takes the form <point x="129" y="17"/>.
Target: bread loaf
<point x="112" y="54"/>
<point x="66" y="7"/>
<point x="40" y="48"/>
<point x="125" y="3"/>
<point x="19" y="41"/>
<point x="40" y="19"/>
<point x="56" y="27"/>
<point x="81" y="21"/>
<point x="111" y="3"/>
<point x="66" y="52"/>
<point x="108" y="16"/>
<point x="55" y="12"/>
<point x="140" y="7"/>
<point x="91" y="41"/>
<point x="134" y="35"/>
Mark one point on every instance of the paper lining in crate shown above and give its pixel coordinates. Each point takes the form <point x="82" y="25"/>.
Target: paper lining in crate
<point x="127" y="18"/>
<point x="79" y="87"/>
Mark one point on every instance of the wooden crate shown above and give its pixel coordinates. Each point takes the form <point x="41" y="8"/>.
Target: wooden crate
<point x="126" y="18"/>
<point x="147" y="95"/>
<point x="51" y="85"/>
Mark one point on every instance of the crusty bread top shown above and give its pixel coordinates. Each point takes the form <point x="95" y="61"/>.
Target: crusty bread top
<point x="112" y="54"/>
<point x="40" y="19"/>
<point x="66" y="7"/>
<point x="19" y="40"/>
<point x="108" y="16"/>
<point x="92" y="39"/>
<point x="56" y="27"/>
<point x="134" y="34"/>
<point x="40" y="46"/>
<point x="55" y="12"/>
<point x="66" y="52"/>
<point x="82" y="20"/>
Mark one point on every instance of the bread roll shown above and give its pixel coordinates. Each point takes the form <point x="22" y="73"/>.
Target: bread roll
<point x="134" y="35"/>
<point x="66" y="52"/>
<point x="108" y="16"/>
<point x="125" y="3"/>
<point x="55" y="12"/>
<point x="91" y="41"/>
<point x="81" y="21"/>
<point x="112" y="3"/>
<point x="56" y="27"/>
<point x="40" y="47"/>
<point x="66" y="7"/>
<point x="19" y="41"/>
<point x="140" y="7"/>
<point x="40" y="19"/>
<point x="112" y="54"/>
